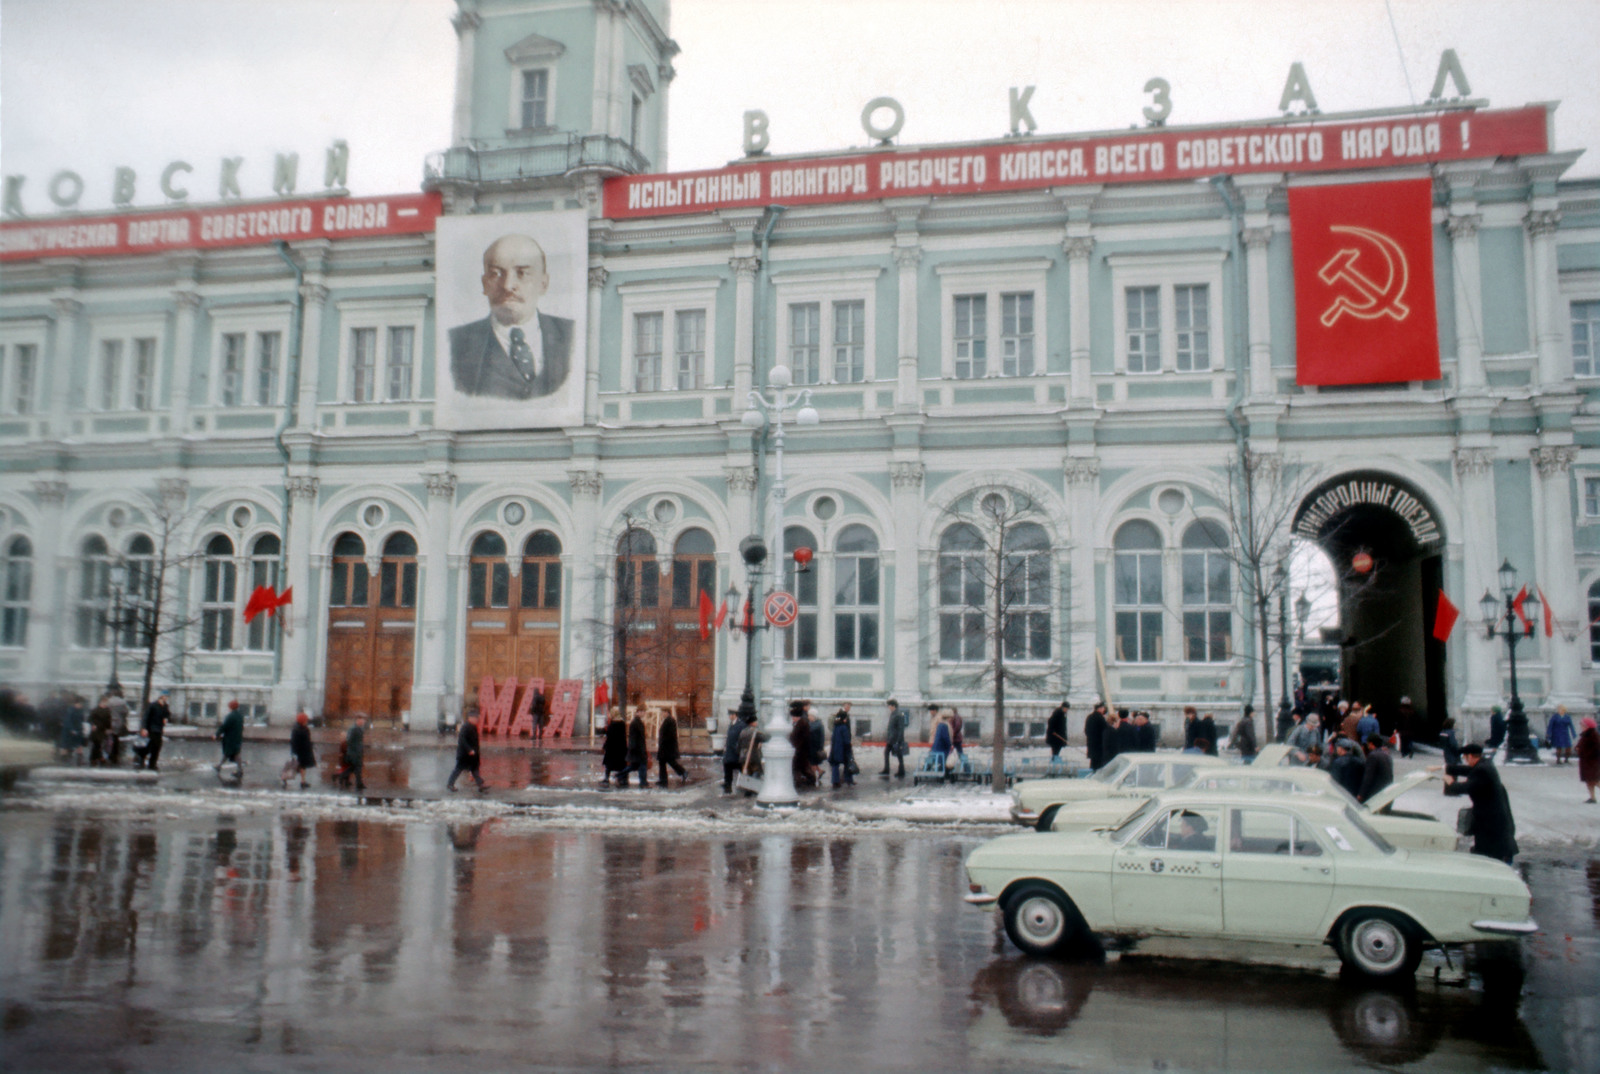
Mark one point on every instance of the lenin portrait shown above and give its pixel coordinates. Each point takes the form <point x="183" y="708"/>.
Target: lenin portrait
<point x="516" y="352"/>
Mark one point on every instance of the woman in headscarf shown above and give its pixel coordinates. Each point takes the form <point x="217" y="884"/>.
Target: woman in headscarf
<point x="1589" y="756"/>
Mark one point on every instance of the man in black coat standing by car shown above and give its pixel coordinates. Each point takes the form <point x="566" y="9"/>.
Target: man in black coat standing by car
<point x="1379" y="772"/>
<point x="1148" y="735"/>
<point x="1094" y="729"/>
<point x="467" y="756"/>
<point x="1127" y="733"/>
<point x="153" y="728"/>
<point x="1346" y="767"/>
<point x="1055" y="730"/>
<point x="1494" y="832"/>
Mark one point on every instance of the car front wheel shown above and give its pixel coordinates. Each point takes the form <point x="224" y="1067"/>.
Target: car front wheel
<point x="1380" y="943"/>
<point x="1041" y="920"/>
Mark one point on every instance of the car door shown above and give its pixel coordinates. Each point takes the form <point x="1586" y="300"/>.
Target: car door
<point x="1277" y="878"/>
<point x="1168" y="878"/>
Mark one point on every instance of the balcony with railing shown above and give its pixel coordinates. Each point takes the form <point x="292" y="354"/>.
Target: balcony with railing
<point x="511" y="164"/>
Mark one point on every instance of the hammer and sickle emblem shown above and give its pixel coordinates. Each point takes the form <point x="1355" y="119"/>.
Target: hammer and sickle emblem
<point x="1375" y="300"/>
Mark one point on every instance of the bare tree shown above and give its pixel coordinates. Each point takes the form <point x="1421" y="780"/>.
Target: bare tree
<point x="995" y="585"/>
<point x="152" y="614"/>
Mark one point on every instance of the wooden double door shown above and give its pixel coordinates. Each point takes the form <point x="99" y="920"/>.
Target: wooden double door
<point x="513" y="620"/>
<point x="371" y="631"/>
<point x="656" y="629"/>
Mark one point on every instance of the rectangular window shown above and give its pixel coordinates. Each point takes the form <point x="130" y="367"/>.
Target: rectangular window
<point x="363" y="364"/>
<point x="268" y="348"/>
<point x="1144" y="329"/>
<point x="110" y="374"/>
<point x="24" y="368"/>
<point x="1586" y="339"/>
<point x="1192" y="305"/>
<point x="1016" y="335"/>
<point x="855" y="619"/>
<point x="802" y="637"/>
<point x="805" y="342"/>
<point x="402" y="348"/>
<point x="536" y="98"/>
<point x="689" y="350"/>
<point x="1591" y="497"/>
<point x="216" y="607"/>
<point x="230" y="378"/>
<point x="261" y="632"/>
<point x="144" y="374"/>
<point x="397" y="584"/>
<point x="849" y="342"/>
<point x="971" y="336"/>
<point x="16" y="573"/>
<point x="647" y="330"/>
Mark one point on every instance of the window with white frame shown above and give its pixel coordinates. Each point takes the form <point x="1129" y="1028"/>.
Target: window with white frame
<point x="1586" y="338"/>
<point x="827" y="319"/>
<point x="669" y="344"/>
<point x="380" y="361"/>
<point x="261" y="632"/>
<point x="269" y="349"/>
<point x="849" y="342"/>
<point x="399" y="359"/>
<point x="802" y="637"/>
<point x="248" y="349"/>
<point x="962" y="594"/>
<point x="125" y="371"/>
<point x="532" y="85"/>
<point x="993" y="318"/>
<point x="535" y="99"/>
<point x="19" y="375"/>
<point x="94" y="593"/>
<point x="1136" y="592"/>
<point x="1207" y="594"/>
<point x="855" y="594"/>
<point x="1594" y="623"/>
<point x="1165" y="304"/>
<point x="218" y="595"/>
<point x="363" y="365"/>
<point x="805" y="342"/>
<point x="16" y="590"/>
<point x="1591" y="497"/>
<point x="1025" y="592"/>
<point x="230" y="379"/>
<point x="138" y="601"/>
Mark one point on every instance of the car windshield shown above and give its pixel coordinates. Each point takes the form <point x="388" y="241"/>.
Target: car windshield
<point x="1360" y="824"/>
<point x="1110" y="772"/>
<point x="1121" y="833"/>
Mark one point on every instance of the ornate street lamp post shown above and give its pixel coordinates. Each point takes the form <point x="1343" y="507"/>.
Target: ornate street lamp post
<point x="777" y="783"/>
<point x="754" y="551"/>
<point x="1281" y="577"/>
<point x="1500" y="620"/>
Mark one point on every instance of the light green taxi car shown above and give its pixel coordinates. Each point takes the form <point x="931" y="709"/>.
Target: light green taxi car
<point x="1406" y="830"/>
<point x="1248" y="866"/>
<point x="1128" y="776"/>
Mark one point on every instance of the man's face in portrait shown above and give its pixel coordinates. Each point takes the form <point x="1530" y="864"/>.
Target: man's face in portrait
<point x="514" y="278"/>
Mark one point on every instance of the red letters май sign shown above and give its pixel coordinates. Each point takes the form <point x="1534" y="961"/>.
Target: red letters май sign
<point x="1363" y="283"/>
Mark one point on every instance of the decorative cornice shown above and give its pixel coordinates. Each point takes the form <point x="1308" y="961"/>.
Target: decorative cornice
<point x="584" y="482"/>
<point x="598" y="277"/>
<point x="466" y="21"/>
<point x="172" y="490"/>
<point x="745" y="267"/>
<point x="53" y="493"/>
<point x="1474" y="461"/>
<point x="1257" y="238"/>
<point x="740" y="478"/>
<point x="1463" y="225"/>
<point x="302" y="488"/>
<point x="1078" y="247"/>
<point x="1082" y="471"/>
<point x="907" y="257"/>
<point x="440" y="485"/>
<point x="186" y="300"/>
<point x="1542" y="222"/>
<point x="64" y="309"/>
<point x="1554" y="460"/>
<point x="314" y="293"/>
<point x="906" y="475"/>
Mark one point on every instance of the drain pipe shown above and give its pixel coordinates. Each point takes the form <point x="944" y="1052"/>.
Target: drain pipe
<point x="291" y="393"/>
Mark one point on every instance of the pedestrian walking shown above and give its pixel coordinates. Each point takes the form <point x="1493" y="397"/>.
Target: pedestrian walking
<point x="1493" y="830"/>
<point x="540" y="711"/>
<point x="119" y="724"/>
<point x="939" y="743"/>
<point x="1094" y="726"/>
<point x="1191" y="726"/>
<point x="819" y="738"/>
<point x="1055" y="730"/>
<point x="468" y="757"/>
<point x="1558" y="733"/>
<point x="230" y="733"/>
<point x="638" y="751"/>
<point x="1243" y="738"/>
<point x="895" y="744"/>
<point x="356" y="751"/>
<point x="301" y="756"/>
<point x="667" y="753"/>
<point x="614" y="750"/>
<point x="751" y="763"/>
<point x="1448" y="744"/>
<point x="730" y="751"/>
<point x="1497" y="729"/>
<point x="1127" y="734"/>
<point x="99" y="732"/>
<point x="841" y="751"/>
<point x="1589" y="757"/>
<point x="74" y="736"/>
<point x="957" y="739"/>
<point x="800" y="766"/>
<point x="1405" y="724"/>
<point x="1366" y="724"/>
<point x="152" y="729"/>
<point x="1378" y="771"/>
<point x="1207" y="730"/>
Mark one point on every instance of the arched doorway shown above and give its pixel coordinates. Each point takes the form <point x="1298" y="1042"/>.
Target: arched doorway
<point x="1386" y="544"/>
<point x="657" y="631"/>
<point x="513" y="621"/>
<point x="371" y="629"/>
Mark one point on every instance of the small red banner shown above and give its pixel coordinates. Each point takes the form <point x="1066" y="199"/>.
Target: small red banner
<point x="1363" y="283"/>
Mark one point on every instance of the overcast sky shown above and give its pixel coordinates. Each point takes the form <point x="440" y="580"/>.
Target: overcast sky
<point x="88" y="85"/>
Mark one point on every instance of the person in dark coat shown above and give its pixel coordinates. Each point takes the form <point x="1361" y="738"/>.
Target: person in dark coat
<point x="100" y="732"/>
<point x="301" y="756"/>
<point x="667" y="755"/>
<point x="614" y="751"/>
<point x="1405" y="724"/>
<point x="1149" y="735"/>
<point x="356" y="750"/>
<point x="730" y="751"/>
<point x="841" y="753"/>
<point x="638" y="751"/>
<point x="958" y="740"/>
<point x="152" y="729"/>
<point x="1206" y="728"/>
<point x="1286" y="722"/>
<point x="1094" y="726"/>
<point x="1588" y="749"/>
<point x="1347" y="767"/>
<point x="1448" y="744"/>
<point x="1127" y="734"/>
<point x="1497" y="729"/>
<point x="751" y="762"/>
<point x="819" y="737"/>
<point x="467" y="755"/>
<point x="1244" y="734"/>
<point x="1558" y="733"/>
<point x="1055" y="730"/>
<point x="1493" y="831"/>
<point x="894" y="744"/>
<point x="804" y="772"/>
<point x="540" y="711"/>
<point x="1378" y="772"/>
<point x="230" y="732"/>
<point x="1110" y="736"/>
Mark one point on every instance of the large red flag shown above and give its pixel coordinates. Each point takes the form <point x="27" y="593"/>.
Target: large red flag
<point x="1363" y="282"/>
<point x="705" y="615"/>
<point x="1549" y="616"/>
<point x="266" y="599"/>
<point x="602" y="695"/>
<point x="1444" y="618"/>
<point x="722" y="614"/>
<point x="1516" y="606"/>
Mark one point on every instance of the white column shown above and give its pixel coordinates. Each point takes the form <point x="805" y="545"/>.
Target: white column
<point x="1557" y="573"/>
<point x="744" y="292"/>
<point x="1079" y="248"/>
<point x="427" y="693"/>
<point x="1479" y="561"/>
<point x="591" y="385"/>
<point x="1555" y="362"/>
<point x="66" y="309"/>
<point x="581" y="610"/>
<point x="1083" y="502"/>
<point x="906" y="479"/>
<point x="907" y="258"/>
<point x="1259" y="299"/>
<point x="188" y="306"/>
<point x="1463" y="228"/>
<point x="293" y="688"/>
<point x="466" y="24"/>
<point x="316" y="300"/>
<point x="50" y="616"/>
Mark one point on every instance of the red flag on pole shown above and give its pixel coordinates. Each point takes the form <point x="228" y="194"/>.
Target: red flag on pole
<point x="705" y="615"/>
<point x="722" y="613"/>
<point x="602" y="695"/>
<point x="1549" y="616"/>
<point x="266" y="599"/>
<point x="1516" y="606"/>
<point x="1444" y="618"/>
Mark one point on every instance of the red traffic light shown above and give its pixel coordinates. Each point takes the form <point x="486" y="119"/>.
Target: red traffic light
<point x="802" y="558"/>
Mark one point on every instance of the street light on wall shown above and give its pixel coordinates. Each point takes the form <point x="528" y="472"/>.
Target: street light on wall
<point x="1501" y="620"/>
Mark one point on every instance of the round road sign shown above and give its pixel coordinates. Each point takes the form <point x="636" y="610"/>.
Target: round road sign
<point x="781" y="609"/>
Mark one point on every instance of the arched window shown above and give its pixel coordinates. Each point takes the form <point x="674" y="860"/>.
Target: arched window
<point x="262" y="631"/>
<point x="541" y="571"/>
<point x="638" y="573"/>
<point x="1594" y="623"/>
<point x="1207" y="593"/>
<point x="1136" y="592"/>
<point x="218" y="595"/>
<point x="348" y="588"/>
<point x="1025" y="592"/>
<point x="488" y="574"/>
<point x="138" y="599"/>
<point x="16" y="590"/>
<point x="962" y="590"/>
<point x="693" y="568"/>
<point x="802" y="641"/>
<point x="397" y="576"/>
<point x="94" y="593"/>
<point x="855" y="595"/>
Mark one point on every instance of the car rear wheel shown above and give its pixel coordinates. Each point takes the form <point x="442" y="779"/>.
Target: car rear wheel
<point x="1041" y="920"/>
<point x="1047" y="819"/>
<point x="1380" y="944"/>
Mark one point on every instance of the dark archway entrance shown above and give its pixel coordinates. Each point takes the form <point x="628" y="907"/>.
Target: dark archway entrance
<point x="1387" y="546"/>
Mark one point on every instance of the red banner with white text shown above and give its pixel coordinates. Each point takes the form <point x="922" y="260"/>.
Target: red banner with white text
<point x="1363" y="283"/>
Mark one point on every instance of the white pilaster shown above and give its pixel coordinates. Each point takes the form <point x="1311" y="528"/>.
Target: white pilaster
<point x="428" y="692"/>
<point x="1463" y="228"/>
<point x="1555" y="361"/>
<point x="1557" y="573"/>
<point x="466" y="24"/>
<point x="1479" y="561"/>
<point x="294" y="688"/>
<point x="591" y="389"/>
<point x="48" y="618"/>
<point x="1079" y="248"/>
<point x="1257" y="239"/>
<point x="745" y="267"/>
<point x="316" y="300"/>
<point x="586" y="486"/>
<point x="907" y="258"/>
<point x="67" y="311"/>
<point x="1083" y="502"/>
<point x="906" y="478"/>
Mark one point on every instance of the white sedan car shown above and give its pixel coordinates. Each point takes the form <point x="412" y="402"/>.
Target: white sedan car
<point x="1130" y="775"/>
<point x="1249" y="866"/>
<point x="1409" y="831"/>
